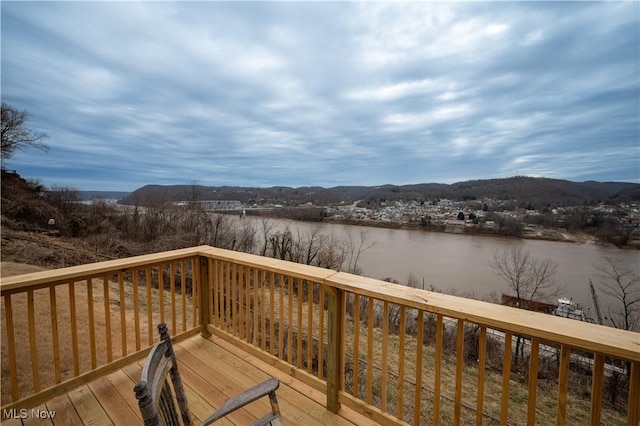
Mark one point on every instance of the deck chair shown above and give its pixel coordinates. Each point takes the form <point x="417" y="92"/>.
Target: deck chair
<point x="160" y="389"/>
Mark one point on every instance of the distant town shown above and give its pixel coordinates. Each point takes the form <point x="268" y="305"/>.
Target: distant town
<point x="486" y="215"/>
<point x="617" y="224"/>
<point x="582" y="212"/>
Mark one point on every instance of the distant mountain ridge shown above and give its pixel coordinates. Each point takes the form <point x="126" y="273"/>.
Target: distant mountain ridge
<point x="538" y="192"/>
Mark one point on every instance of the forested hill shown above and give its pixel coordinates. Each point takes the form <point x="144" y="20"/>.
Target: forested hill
<point x="537" y="192"/>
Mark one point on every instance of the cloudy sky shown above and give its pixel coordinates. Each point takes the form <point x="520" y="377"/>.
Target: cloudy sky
<point x="323" y="93"/>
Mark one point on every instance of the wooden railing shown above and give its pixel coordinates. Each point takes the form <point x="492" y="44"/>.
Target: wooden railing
<point x="63" y="327"/>
<point x="393" y="353"/>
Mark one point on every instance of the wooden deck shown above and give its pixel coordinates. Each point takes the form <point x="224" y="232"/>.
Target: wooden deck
<point x="212" y="370"/>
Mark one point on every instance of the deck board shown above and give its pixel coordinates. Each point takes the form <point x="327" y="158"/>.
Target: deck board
<point x="65" y="411"/>
<point x="88" y="407"/>
<point x="212" y="370"/>
<point x="113" y="403"/>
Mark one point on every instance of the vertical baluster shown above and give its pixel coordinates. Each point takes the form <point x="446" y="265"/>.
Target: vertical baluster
<point x="356" y="345"/>
<point x="419" y="350"/>
<point x="227" y="292"/>
<point x="438" y="370"/>
<point x="54" y="334"/>
<point x="240" y="304"/>
<point x="482" y="347"/>
<point x="218" y="295"/>
<point x="256" y="305"/>
<point x="263" y="310"/>
<point x="203" y="274"/>
<point x="384" y="355"/>
<point x="597" y="382"/>
<point x="74" y="328"/>
<point x="299" y="298"/>
<point x="123" y="319"/>
<point x="335" y="350"/>
<point x="92" y="327"/>
<point x="11" y="343"/>
<point x="321" y="333"/>
<point x="272" y="319"/>
<point x="32" y="341"/>
<point x="402" y="324"/>
<point x="183" y="290"/>
<point x="506" y="378"/>
<point x="150" y="327"/>
<point x="136" y="308"/>
<point x="290" y="321"/>
<point x="342" y="298"/>
<point x="172" y="284"/>
<point x="237" y="301"/>
<point x="107" y="317"/>
<point x="238" y="314"/>
<point x="210" y="284"/>
<point x="161" y="291"/>
<point x="247" y="304"/>
<point x="369" y="384"/>
<point x="242" y="291"/>
<point x="280" y="322"/>
<point x="310" y="285"/>
<point x="563" y="384"/>
<point x="234" y="298"/>
<point x="457" y="408"/>
<point x="195" y="291"/>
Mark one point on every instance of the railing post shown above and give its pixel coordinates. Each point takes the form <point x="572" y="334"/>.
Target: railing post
<point x="633" y="412"/>
<point x="334" y="352"/>
<point x="205" y="295"/>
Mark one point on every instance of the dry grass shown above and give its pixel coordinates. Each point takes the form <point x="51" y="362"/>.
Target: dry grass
<point x="578" y="406"/>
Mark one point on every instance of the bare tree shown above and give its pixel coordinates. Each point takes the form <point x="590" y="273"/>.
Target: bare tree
<point x="623" y="285"/>
<point x="193" y="192"/>
<point x="529" y="278"/>
<point x="15" y="134"/>
<point x="63" y="198"/>
<point x="355" y="249"/>
<point x="267" y="227"/>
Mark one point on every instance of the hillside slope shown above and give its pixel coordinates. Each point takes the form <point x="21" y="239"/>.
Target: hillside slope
<point x="537" y="192"/>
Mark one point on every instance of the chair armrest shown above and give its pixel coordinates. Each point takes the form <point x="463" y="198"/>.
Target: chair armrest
<point x="244" y="398"/>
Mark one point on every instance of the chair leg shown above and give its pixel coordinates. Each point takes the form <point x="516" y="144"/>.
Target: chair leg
<point x="275" y="410"/>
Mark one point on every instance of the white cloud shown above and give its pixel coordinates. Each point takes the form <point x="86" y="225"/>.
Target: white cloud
<point x="319" y="92"/>
<point x="399" y="90"/>
<point x="493" y="28"/>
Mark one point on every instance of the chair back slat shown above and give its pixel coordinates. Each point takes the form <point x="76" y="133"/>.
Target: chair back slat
<point x="167" y="407"/>
<point x="160" y="380"/>
<point x="160" y="392"/>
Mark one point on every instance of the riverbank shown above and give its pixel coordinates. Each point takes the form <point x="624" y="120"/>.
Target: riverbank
<point x="546" y="234"/>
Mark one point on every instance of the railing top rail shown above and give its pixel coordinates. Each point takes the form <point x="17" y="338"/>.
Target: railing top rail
<point x="311" y="273"/>
<point x="53" y="276"/>
<point x="592" y="337"/>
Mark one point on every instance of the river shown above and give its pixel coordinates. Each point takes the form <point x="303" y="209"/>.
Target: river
<point x="459" y="264"/>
